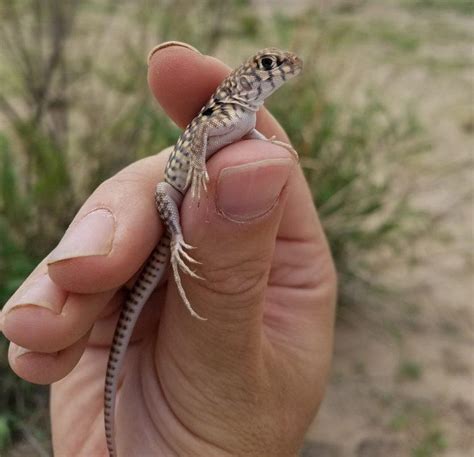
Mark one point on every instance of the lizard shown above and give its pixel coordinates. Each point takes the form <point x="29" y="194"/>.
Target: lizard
<point x="228" y="116"/>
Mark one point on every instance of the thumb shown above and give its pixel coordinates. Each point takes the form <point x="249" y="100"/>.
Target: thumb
<point x="234" y="229"/>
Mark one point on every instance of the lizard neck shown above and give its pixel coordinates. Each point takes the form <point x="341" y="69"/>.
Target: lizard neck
<point x="247" y="105"/>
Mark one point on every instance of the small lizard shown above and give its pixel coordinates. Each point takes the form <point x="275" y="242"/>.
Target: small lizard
<point x="228" y="116"/>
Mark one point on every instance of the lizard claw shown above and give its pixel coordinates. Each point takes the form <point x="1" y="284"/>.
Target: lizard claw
<point x="178" y="255"/>
<point x="187" y="246"/>
<point x="287" y="146"/>
<point x="197" y="178"/>
<point x="189" y="258"/>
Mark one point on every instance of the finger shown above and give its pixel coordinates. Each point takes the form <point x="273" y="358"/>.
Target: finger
<point x="42" y="317"/>
<point x="42" y="368"/>
<point x="182" y="80"/>
<point x="234" y="228"/>
<point x="113" y="233"/>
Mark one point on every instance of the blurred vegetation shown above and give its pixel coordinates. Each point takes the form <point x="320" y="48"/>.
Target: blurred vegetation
<point x="75" y="108"/>
<point x="460" y="6"/>
<point x="423" y="422"/>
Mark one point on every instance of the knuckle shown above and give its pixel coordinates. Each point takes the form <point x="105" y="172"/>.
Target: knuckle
<point x="141" y="174"/>
<point x="124" y="189"/>
<point x="243" y="279"/>
<point x="123" y="180"/>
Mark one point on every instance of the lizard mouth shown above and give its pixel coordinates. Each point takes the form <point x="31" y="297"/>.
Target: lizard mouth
<point x="297" y="63"/>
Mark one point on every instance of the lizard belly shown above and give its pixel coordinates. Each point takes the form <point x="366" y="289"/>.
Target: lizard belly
<point x="243" y="126"/>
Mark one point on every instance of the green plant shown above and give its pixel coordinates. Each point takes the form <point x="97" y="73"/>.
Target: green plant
<point x="432" y="444"/>
<point x="421" y="419"/>
<point x="460" y="6"/>
<point x="5" y="433"/>
<point x="410" y="371"/>
<point x="23" y="408"/>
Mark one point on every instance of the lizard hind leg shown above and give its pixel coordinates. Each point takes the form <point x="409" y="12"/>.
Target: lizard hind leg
<point x="167" y="201"/>
<point x="178" y="257"/>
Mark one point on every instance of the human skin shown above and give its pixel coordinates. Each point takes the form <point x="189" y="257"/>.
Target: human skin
<point x="245" y="382"/>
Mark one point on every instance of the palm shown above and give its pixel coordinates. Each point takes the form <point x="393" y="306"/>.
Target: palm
<point x="144" y="385"/>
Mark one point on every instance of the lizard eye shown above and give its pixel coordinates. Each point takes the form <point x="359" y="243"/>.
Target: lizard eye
<point x="267" y="63"/>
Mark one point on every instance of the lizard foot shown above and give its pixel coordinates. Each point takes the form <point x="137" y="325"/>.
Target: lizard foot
<point x="287" y="146"/>
<point x="178" y="257"/>
<point x="198" y="178"/>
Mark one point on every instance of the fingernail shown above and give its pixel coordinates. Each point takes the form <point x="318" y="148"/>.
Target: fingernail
<point x="246" y="192"/>
<point x="93" y="235"/>
<point x="18" y="351"/>
<point x="42" y="292"/>
<point x="168" y="44"/>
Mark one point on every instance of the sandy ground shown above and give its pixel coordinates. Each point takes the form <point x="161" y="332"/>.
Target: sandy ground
<point x="402" y="380"/>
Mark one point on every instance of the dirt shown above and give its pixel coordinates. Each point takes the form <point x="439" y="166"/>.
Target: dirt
<point x="402" y="379"/>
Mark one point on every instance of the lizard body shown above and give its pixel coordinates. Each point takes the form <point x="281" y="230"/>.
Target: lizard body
<point x="228" y="116"/>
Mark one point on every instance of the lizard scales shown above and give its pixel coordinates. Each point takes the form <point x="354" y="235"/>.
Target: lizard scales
<point x="228" y="116"/>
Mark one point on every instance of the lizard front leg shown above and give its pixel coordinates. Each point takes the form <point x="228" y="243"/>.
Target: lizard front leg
<point x="167" y="200"/>
<point x="208" y="138"/>
<point x="254" y="134"/>
<point x="198" y="177"/>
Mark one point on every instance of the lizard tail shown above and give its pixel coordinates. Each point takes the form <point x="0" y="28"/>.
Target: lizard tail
<point x="141" y="291"/>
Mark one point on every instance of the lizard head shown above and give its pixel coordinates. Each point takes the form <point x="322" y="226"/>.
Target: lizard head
<point x="258" y="77"/>
<point x="263" y="73"/>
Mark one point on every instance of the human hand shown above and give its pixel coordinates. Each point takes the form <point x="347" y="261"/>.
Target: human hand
<point x="247" y="381"/>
